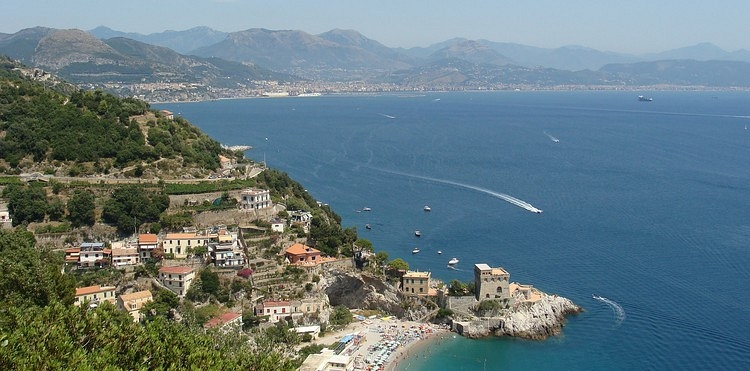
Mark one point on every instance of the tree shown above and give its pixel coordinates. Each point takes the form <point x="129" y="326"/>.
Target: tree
<point x="380" y="258"/>
<point x="209" y="280"/>
<point x="26" y="203"/>
<point x="398" y="264"/>
<point x="31" y="275"/>
<point x="365" y="245"/>
<point x="341" y="316"/>
<point x="81" y="208"/>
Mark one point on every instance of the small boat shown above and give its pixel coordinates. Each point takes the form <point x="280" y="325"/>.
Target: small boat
<point x="439" y="252"/>
<point x="418" y="233"/>
<point x="645" y="99"/>
<point x="453" y="261"/>
<point x="427" y="208"/>
<point x="368" y="226"/>
<point x="366" y="209"/>
<point x="416" y="250"/>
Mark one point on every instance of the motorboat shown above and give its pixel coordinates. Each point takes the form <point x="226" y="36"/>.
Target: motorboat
<point x="366" y="209"/>
<point x="427" y="208"/>
<point x="416" y="250"/>
<point x="439" y="252"/>
<point x="418" y="233"/>
<point x="645" y="99"/>
<point x="453" y="261"/>
<point x="368" y="226"/>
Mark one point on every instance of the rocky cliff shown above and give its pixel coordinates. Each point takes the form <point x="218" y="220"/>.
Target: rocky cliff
<point x="529" y="320"/>
<point x="366" y="291"/>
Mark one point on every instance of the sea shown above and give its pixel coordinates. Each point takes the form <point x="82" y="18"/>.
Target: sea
<point x="645" y="218"/>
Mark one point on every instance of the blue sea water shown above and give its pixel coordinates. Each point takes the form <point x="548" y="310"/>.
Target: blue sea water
<point x="646" y="204"/>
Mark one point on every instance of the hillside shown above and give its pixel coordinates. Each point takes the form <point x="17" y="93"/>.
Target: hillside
<point x="91" y="132"/>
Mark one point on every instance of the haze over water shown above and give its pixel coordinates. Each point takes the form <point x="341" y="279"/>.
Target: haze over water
<point x="645" y="204"/>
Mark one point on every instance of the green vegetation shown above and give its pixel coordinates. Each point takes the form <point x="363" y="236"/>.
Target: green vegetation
<point x="340" y="317"/>
<point x="458" y="288"/>
<point x="133" y="204"/>
<point x="90" y="132"/>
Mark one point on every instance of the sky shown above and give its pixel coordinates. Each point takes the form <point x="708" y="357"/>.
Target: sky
<point x="629" y="26"/>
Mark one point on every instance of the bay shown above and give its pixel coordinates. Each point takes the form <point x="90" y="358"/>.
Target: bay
<point x="646" y="204"/>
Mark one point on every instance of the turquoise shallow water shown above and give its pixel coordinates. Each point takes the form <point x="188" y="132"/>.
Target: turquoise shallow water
<point x="645" y="204"/>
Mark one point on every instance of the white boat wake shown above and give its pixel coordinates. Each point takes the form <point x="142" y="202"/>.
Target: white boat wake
<point x="552" y="138"/>
<point x="508" y="198"/>
<point x="387" y="116"/>
<point x="616" y="308"/>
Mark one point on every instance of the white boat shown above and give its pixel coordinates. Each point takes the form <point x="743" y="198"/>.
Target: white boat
<point x="439" y="252"/>
<point x="427" y="208"/>
<point x="368" y="226"/>
<point x="418" y="233"/>
<point x="453" y="261"/>
<point x="644" y="99"/>
<point x="416" y="250"/>
<point x="366" y="209"/>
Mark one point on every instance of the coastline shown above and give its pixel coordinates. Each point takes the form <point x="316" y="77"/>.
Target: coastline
<point x="386" y="342"/>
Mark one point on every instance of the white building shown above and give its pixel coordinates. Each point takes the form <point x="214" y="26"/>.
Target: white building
<point x="255" y="199"/>
<point x="178" y="279"/>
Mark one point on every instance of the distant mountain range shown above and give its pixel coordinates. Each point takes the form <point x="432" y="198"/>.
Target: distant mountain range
<point x="254" y="58"/>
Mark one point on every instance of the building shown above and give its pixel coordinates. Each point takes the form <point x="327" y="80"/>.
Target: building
<point x="72" y="255"/>
<point x="277" y="225"/>
<point x="5" y="218"/>
<point x="416" y="283"/>
<point x="94" y="295"/>
<point x="93" y="254"/>
<point x="275" y="310"/>
<point x="132" y="303"/>
<point x="327" y="360"/>
<point x="224" y="255"/>
<point x="299" y="253"/>
<point x="178" y="279"/>
<point x="147" y="243"/>
<point x="124" y="256"/>
<point x="227" y="322"/>
<point x="179" y="245"/>
<point x="308" y="305"/>
<point x="255" y="199"/>
<point x="491" y="283"/>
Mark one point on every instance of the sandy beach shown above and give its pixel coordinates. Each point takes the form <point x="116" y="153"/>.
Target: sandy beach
<point x="381" y="343"/>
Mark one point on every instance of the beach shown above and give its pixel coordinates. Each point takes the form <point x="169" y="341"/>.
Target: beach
<point x="381" y="343"/>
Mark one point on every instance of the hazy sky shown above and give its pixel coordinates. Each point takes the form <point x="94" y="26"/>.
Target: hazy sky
<point x="630" y="26"/>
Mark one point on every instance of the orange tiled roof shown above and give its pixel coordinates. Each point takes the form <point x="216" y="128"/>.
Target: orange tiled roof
<point x="282" y="303"/>
<point x="136" y="296"/>
<point x="93" y="289"/>
<point x="176" y="270"/>
<point x="183" y="236"/>
<point x="222" y="319"/>
<point x="147" y="238"/>
<point x="300" y="249"/>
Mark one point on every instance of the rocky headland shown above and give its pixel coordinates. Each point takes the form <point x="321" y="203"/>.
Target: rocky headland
<point x="536" y="320"/>
<point x="539" y="318"/>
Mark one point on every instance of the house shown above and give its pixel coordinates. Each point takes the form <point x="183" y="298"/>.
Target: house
<point x="94" y="295"/>
<point x="327" y="360"/>
<point x="178" y="278"/>
<point x="93" y="254"/>
<point x="314" y="331"/>
<point x="226" y="162"/>
<point x="491" y="283"/>
<point x="179" y="245"/>
<point x="224" y="255"/>
<point x="299" y="253"/>
<point x="227" y="321"/>
<point x="124" y="256"/>
<point x="416" y="283"/>
<point x="308" y="305"/>
<point x="72" y="255"/>
<point x="147" y="243"/>
<point x="277" y="225"/>
<point x="133" y="303"/>
<point x="255" y="199"/>
<point x="5" y="218"/>
<point x="167" y="114"/>
<point x="301" y="218"/>
<point x="275" y="310"/>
